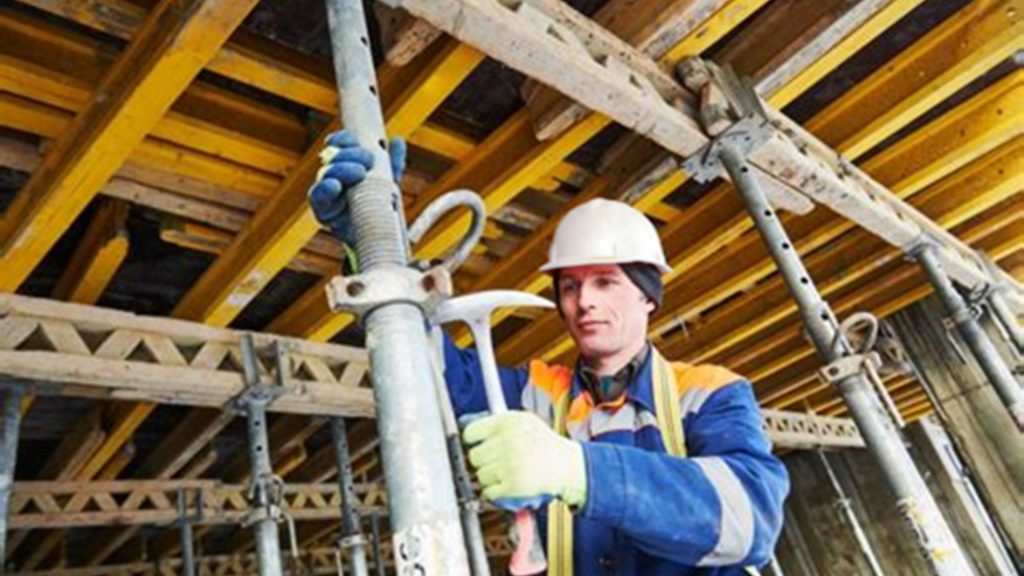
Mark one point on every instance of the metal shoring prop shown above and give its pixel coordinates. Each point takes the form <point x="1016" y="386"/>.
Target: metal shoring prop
<point x="734" y="117"/>
<point x="188" y="561"/>
<point x="378" y="557"/>
<point x="1004" y="315"/>
<point x="941" y="550"/>
<point x="962" y="316"/>
<point x="426" y="531"/>
<point x="352" y="538"/>
<point x="469" y="506"/>
<point x="8" y="460"/>
<point x="844" y="503"/>
<point x="265" y="512"/>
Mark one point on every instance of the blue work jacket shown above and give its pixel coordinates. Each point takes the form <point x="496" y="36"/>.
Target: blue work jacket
<point x="713" y="512"/>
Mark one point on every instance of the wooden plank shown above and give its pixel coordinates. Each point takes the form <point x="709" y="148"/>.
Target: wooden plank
<point x="97" y="257"/>
<point x="655" y="28"/>
<point x="141" y="86"/>
<point x="961" y="196"/>
<point x="964" y="46"/>
<point x="934" y="151"/>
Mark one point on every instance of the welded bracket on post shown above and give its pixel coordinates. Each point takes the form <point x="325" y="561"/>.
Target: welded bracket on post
<point x="934" y="537"/>
<point x="362" y="293"/>
<point x="992" y="364"/>
<point x="266" y="489"/>
<point x="257" y="389"/>
<point x="729" y="111"/>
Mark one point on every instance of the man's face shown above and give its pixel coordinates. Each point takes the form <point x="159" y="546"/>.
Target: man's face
<point x="606" y="313"/>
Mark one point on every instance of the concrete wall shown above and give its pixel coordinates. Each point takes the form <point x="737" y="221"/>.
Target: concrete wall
<point x="818" y="538"/>
<point x="970" y="410"/>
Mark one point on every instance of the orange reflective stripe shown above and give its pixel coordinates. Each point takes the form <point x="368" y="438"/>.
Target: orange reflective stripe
<point x="553" y="380"/>
<point x="707" y="376"/>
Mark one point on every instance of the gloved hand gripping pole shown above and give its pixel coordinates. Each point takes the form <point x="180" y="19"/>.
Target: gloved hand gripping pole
<point x="389" y="298"/>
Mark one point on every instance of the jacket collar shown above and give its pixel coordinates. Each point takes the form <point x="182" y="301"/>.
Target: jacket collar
<point x="639" y="390"/>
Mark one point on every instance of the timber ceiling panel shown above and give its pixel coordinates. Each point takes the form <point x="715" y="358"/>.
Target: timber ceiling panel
<point x="138" y="179"/>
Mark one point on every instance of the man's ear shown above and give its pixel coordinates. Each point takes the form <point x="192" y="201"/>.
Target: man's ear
<point x="651" y="305"/>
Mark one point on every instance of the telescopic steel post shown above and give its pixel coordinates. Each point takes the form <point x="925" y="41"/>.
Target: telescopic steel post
<point x="8" y="460"/>
<point x="352" y="539"/>
<point x="961" y="315"/>
<point x="264" y="520"/>
<point x="426" y="532"/>
<point x="188" y="561"/>
<point x="915" y="503"/>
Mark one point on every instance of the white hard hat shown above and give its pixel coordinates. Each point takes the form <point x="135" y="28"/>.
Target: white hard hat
<point x="603" y="231"/>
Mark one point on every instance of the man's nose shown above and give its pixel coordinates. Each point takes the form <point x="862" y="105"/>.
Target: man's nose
<point x="586" y="296"/>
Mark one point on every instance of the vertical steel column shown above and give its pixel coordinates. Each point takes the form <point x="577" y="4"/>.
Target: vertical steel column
<point x="377" y="555"/>
<point x="188" y="560"/>
<point x="991" y="363"/>
<point x="351" y="536"/>
<point x="469" y="506"/>
<point x="8" y="460"/>
<point x="844" y="503"/>
<point x="427" y="535"/>
<point x="941" y="550"/>
<point x="255" y="399"/>
<point x="268" y="550"/>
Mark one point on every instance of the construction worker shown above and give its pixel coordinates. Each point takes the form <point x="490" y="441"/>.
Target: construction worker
<point x="647" y="467"/>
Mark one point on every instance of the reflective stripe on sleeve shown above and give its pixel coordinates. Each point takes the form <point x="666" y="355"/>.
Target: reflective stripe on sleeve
<point x="736" y="529"/>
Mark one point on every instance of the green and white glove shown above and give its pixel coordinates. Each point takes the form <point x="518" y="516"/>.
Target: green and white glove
<point x="518" y="458"/>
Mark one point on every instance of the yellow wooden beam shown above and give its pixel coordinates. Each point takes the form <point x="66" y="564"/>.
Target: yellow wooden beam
<point x="167" y="54"/>
<point x="983" y="123"/>
<point x="966" y="45"/>
<point x="934" y="154"/>
<point x="98" y="256"/>
<point x="844" y="49"/>
<point x="434" y="83"/>
<point x="720" y="24"/>
<point x="281" y="228"/>
<point x="963" y="195"/>
<point x="999" y="235"/>
<point x="274" y="69"/>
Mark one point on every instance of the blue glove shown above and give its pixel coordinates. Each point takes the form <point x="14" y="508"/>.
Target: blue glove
<point x="345" y="164"/>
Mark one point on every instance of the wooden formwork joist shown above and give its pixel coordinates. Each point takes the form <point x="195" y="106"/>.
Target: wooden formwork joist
<point x="796" y="166"/>
<point x="76" y="350"/>
<point x="72" y="349"/>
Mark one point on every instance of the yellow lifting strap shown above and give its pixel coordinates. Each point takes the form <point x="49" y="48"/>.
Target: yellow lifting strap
<point x="670" y="424"/>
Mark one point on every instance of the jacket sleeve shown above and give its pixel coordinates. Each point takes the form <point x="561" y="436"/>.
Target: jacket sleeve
<point x="719" y="506"/>
<point x="466" y="382"/>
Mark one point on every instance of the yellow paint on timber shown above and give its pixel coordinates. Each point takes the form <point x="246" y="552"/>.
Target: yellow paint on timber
<point x="848" y="46"/>
<point x="282" y="227"/>
<point x="98" y="256"/>
<point x="434" y="83"/>
<point x="541" y="160"/>
<point x="141" y="86"/>
<point x="967" y="44"/>
<point x="983" y="123"/>
<point x="125" y="425"/>
<point x="721" y="23"/>
<point x="907" y="185"/>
